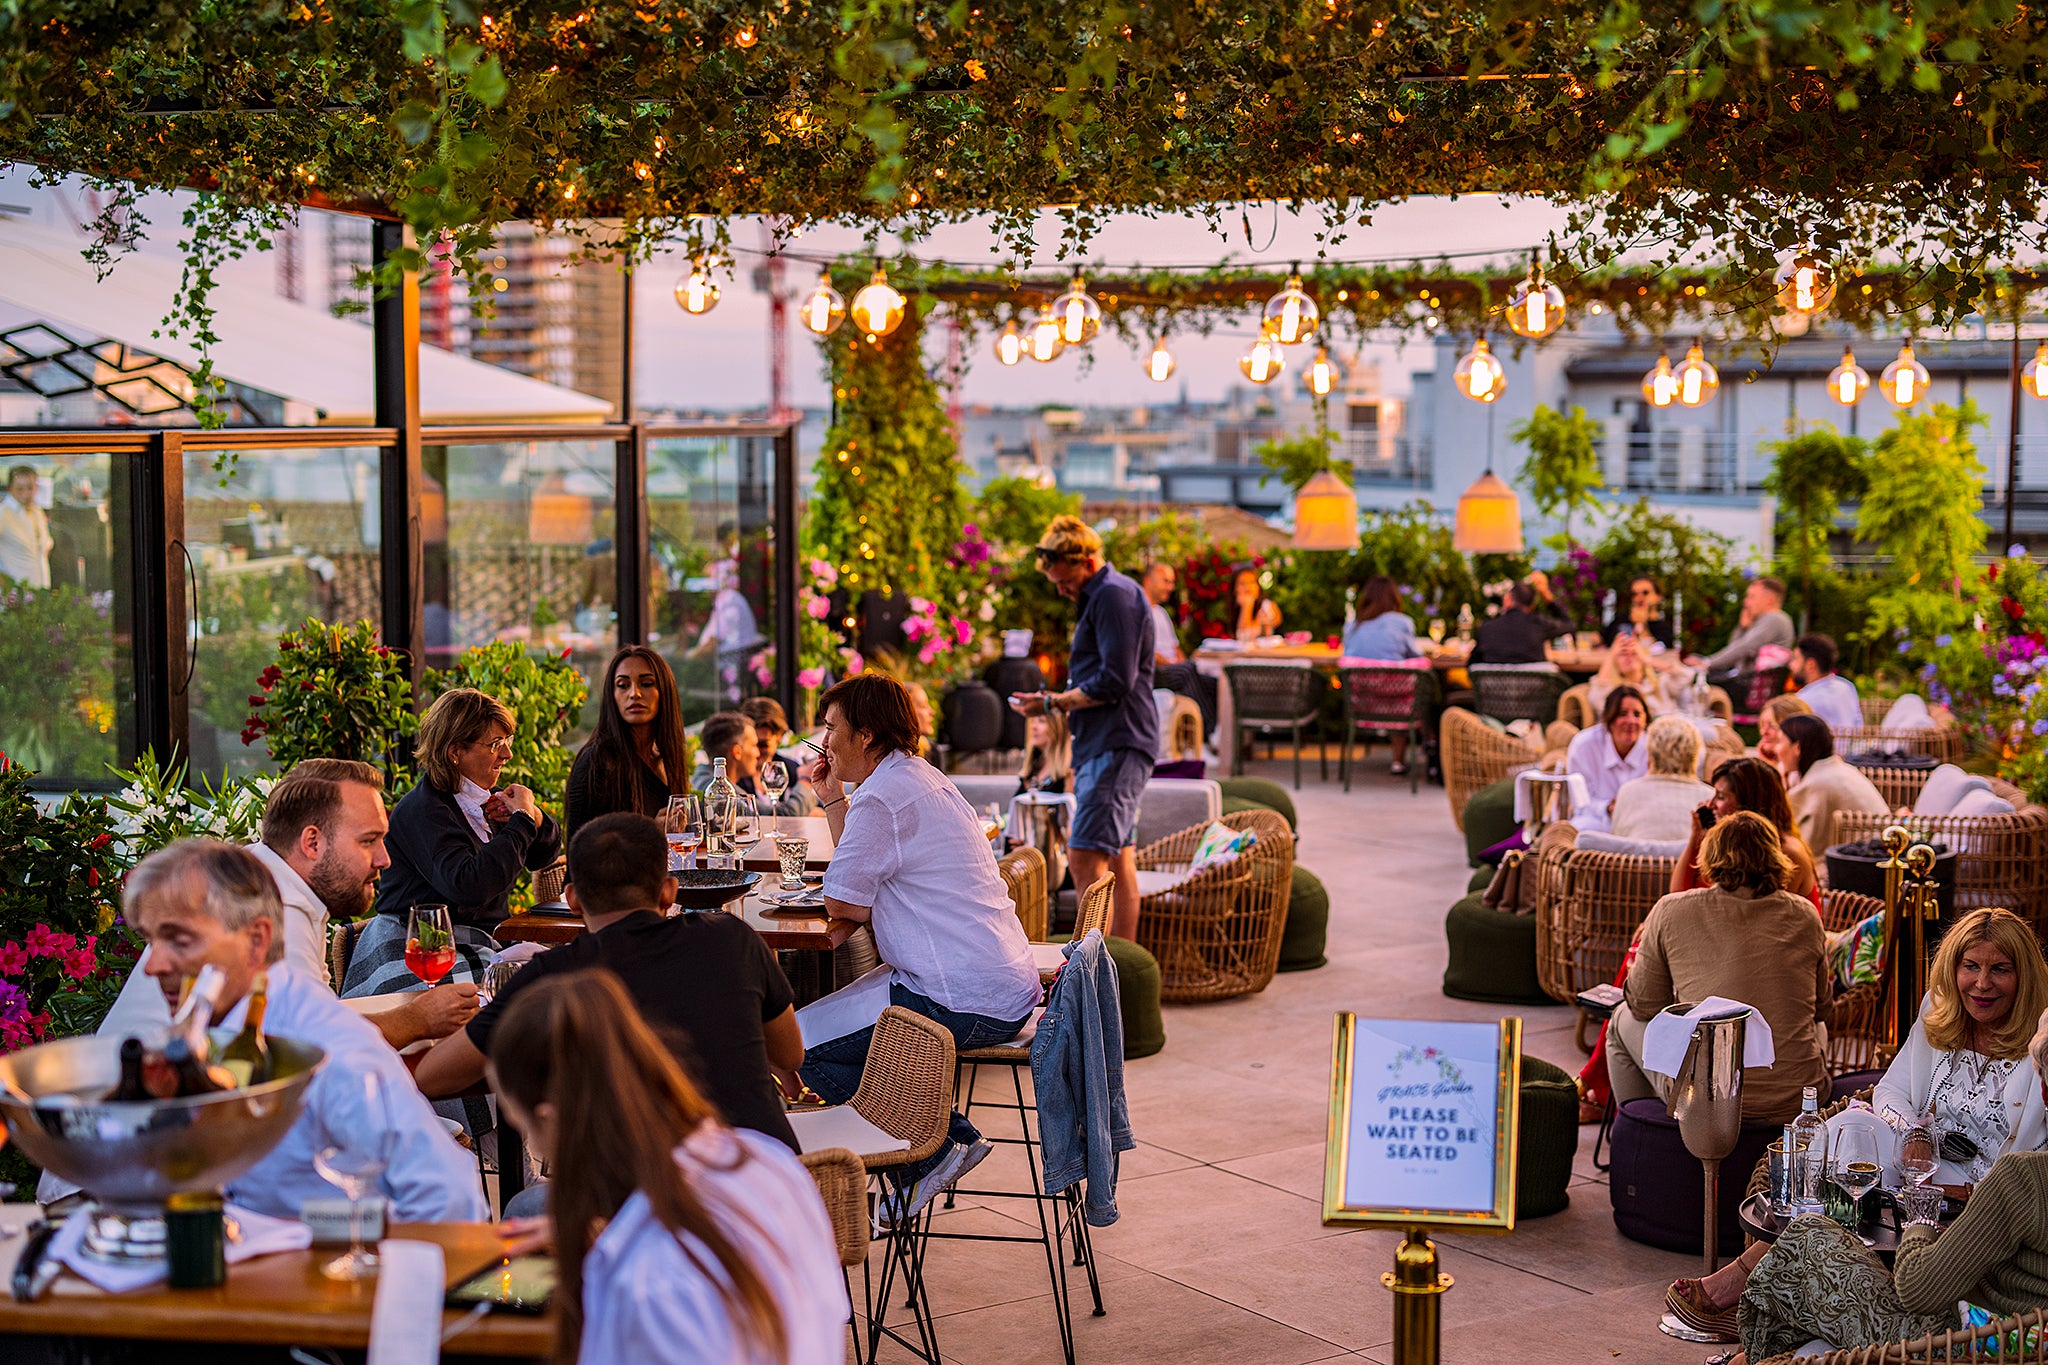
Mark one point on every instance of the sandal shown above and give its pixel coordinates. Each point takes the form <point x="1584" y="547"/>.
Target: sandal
<point x="1687" y="1301"/>
<point x="1590" y="1111"/>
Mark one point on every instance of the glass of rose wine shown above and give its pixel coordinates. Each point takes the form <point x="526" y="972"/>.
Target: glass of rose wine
<point x="430" y="943"/>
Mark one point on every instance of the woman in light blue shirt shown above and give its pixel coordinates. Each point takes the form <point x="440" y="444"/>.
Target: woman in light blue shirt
<point x="1382" y="630"/>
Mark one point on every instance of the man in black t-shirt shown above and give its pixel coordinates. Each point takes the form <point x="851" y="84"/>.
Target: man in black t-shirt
<point x="706" y="983"/>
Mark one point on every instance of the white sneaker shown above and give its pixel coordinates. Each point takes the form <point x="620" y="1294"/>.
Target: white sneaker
<point x="963" y="1158"/>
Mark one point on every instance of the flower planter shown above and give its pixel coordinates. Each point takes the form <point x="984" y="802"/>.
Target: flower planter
<point x="1858" y="867"/>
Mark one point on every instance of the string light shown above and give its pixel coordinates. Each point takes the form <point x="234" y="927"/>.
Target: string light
<point x="824" y="310"/>
<point x="1660" y="385"/>
<point x="1159" y="366"/>
<point x="878" y="307"/>
<point x="1045" y="340"/>
<point x="697" y="295"/>
<point x="1697" y="380"/>
<point x="1806" y="284"/>
<point x="746" y="35"/>
<point x="1078" y="314"/>
<point x="1010" y="345"/>
<point x="2034" y="375"/>
<point x="1262" y="363"/>
<point x="1848" y="380"/>
<point x="1536" y="308"/>
<point x="1479" y="375"/>
<point x="1905" y="379"/>
<point x="1321" y="375"/>
<point x="1291" y="315"/>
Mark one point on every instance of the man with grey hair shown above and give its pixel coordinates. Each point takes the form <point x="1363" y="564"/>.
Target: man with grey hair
<point x="200" y="902"/>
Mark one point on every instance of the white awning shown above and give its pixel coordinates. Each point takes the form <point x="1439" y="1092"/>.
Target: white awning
<point x="320" y="364"/>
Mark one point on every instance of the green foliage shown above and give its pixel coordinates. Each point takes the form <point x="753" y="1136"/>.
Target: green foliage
<point x="1562" y="472"/>
<point x="1015" y="512"/>
<point x="335" y="692"/>
<point x="546" y="694"/>
<point x="57" y="678"/>
<point x="1923" y="506"/>
<point x="1812" y="474"/>
<point x="1298" y="458"/>
<point x="1412" y="546"/>
<point x="1683" y="559"/>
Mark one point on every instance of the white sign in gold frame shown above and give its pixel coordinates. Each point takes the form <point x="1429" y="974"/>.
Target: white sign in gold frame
<point x="1424" y="1123"/>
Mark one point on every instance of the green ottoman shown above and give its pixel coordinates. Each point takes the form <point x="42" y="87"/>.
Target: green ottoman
<point x="1482" y="877"/>
<point x="1137" y="985"/>
<point x="1489" y="818"/>
<point x="1550" y="1139"/>
<point x="1493" y="956"/>
<point x="1256" y="793"/>
<point x="1308" y="924"/>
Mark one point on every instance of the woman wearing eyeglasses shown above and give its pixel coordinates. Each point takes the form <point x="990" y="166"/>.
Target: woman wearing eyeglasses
<point x="458" y="839"/>
<point x="1641" y="614"/>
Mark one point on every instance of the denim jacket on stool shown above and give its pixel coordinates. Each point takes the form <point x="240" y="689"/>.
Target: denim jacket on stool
<point x="1077" y="1071"/>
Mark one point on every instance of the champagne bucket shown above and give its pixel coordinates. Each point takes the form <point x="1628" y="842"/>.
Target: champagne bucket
<point x="1550" y="802"/>
<point x="1706" y="1099"/>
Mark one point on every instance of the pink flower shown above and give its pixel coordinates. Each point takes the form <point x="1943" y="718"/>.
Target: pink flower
<point x="42" y="941"/>
<point x="962" y="632"/>
<point x="929" y="652"/>
<point x="13" y="957"/>
<point x="809" y="677"/>
<point x="819" y="608"/>
<point x="81" y="964"/>
<point x="763" y="676"/>
<point x="854" y="663"/>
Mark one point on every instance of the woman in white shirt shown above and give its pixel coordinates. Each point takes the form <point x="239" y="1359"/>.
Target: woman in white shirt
<point x="676" y="1238"/>
<point x="1660" y="804"/>
<point x="1627" y="666"/>
<point x="1608" y="755"/>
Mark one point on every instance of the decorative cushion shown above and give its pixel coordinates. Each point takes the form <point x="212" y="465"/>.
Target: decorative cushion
<point x="1492" y="956"/>
<point x="1220" y="844"/>
<point x="1907" y="713"/>
<point x="1981" y="801"/>
<point x="1308" y="924"/>
<point x="1599" y="841"/>
<point x="1945" y="787"/>
<point x="1137" y="984"/>
<point x="1157" y="881"/>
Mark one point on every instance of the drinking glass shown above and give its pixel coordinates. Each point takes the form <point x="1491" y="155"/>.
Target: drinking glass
<point x="429" y="943"/>
<point x="1856" y="1164"/>
<point x="791" y="852"/>
<point x="354" y="1170"/>
<point x="775" y="780"/>
<point x="1436" y="630"/>
<point x="1918" y="1159"/>
<point x="746" y="828"/>
<point x="684" y="823"/>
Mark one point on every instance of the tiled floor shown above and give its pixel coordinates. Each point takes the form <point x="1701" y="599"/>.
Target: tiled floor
<point x="1220" y="1254"/>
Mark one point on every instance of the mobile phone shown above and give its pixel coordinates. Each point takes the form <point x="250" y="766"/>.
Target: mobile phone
<point x="522" y="1284"/>
<point x="1705" y="815"/>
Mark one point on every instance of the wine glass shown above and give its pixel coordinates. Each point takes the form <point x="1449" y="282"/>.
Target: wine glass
<point x="429" y="943"/>
<point x="746" y="828"/>
<point x="1436" y="630"/>
<point x="684" y="823"/>
<point x="354" y="1168"/>
<point x="775" y="782"/>
<point x="1918" y="1159"/>
<point x="1856" y="1165"/>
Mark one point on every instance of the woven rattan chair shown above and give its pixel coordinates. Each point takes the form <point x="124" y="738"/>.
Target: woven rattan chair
<point x="341" y="948"/>
<point x="1942" y="742"/>
<point x="1991" y="1342"/>
<point x="1023" y="870"/>
<point x="1270" y="697"/>
<point x="1576" y="705"/>
<point x="1856" y="1019"/>
<point x="1092" y="912"/>
<point x="1217" y="933"/>
<point x="1514" y="692"/>
<point x="1181" y="737"/>
<point x="906" y="1095"/>
<point x="843" y="1184"/>
<point x="1899" y="786"/>
<point x="549" y="881"/>
<point x="1380" y="699"/>
<point x="2000" y="859"/>
<point x="1588" y="908"/>
<point x="1476" y="755"/>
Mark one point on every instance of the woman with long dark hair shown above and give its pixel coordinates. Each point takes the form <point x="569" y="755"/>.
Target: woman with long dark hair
<point x="676" y="1238"/>
<point x="1253" y="614"/>
<point x="634" y="758"/>
<point x="1822" y="783"/>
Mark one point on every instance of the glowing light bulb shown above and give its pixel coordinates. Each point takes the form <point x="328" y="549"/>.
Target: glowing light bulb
<point x="697" y="294"/>
<point x="1046" y="344"/>
<point x="824" y="311"/>
<point x="1262" y="363"/>
<point x="1291" y="316"/>
<point x="1010" y="345"/>
<point x="1697" y="380"/>
<point x="1660" y="385"/>
<point x="878" y="307"/>
<point x="1479" y="375"/>
<point x="1078" y="314"/>
<point x="1536" y="308"/>
<point x="1806" y="284"/>
<point x="2034" y="375"/>
<point x="1159" y="366"/>
<point x="1321" y="375"/>
<point x="1905" y="380"/>
<point x="1848" y="380"/>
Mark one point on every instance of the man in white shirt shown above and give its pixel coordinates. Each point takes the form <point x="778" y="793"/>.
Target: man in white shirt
<point x="323" y="844"/>
<point x="1170" y="667"/>
<point x="200" y="902"/>
<point x="24" y="531"/>
<point x="1832" y="696"/>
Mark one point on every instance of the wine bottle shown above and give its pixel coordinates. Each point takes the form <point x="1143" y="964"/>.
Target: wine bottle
<point x="130" y="1088"/>
<point x="191" y="1072"/>
<point x="721" y="811"/>
<point x="247" y="1055"/>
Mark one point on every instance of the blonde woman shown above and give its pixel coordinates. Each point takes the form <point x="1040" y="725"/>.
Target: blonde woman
<point x="1770" y="724"/>
<point x="1628" y="666"/>
<point x="1660" y="804"/>
<point x="1048" y="755"/>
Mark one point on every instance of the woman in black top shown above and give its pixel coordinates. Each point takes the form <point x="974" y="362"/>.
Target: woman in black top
<point x="456" y="839"/>
<point x="629" y="760"/>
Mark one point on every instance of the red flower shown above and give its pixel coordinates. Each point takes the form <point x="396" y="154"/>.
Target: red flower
<point x="257" y="699"/>
<point x="43" y="941"/>
<point x="92" y="876"/>
<point x="2012" y="608"/>
<point x="1991" y="574"/>
<point x="101" y="842"/>
<point x="287" y="644"/>
<point x="306" y="686"/>
<point x="13" y="957"/>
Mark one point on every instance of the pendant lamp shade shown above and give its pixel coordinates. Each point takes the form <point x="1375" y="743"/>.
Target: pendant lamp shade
<point x="1489" y="518"/>
<point x="1326" y="514"/>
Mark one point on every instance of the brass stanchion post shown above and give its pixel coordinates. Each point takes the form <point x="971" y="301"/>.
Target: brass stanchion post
<point x="1896" y="840"/>
<point x="1922" y="905"/>
<point x="1418" y="1305"/>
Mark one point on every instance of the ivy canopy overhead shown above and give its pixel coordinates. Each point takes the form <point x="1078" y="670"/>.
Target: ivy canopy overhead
<point x="1732" y="130"/>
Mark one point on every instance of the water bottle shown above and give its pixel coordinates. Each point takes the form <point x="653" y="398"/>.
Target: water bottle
<point x="1809" y="1138"/>
<point x="1465" y="623"/>
<point x="721" y="808"/>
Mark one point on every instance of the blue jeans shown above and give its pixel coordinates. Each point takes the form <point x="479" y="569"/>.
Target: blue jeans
<point x="833" y="1068"/>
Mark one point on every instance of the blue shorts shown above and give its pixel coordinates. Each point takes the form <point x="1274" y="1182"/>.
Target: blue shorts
<point x="1107" y="789"/>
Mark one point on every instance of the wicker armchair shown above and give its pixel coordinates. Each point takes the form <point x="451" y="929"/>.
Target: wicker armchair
<point x="549" y="882"/>
<point x="1513" y="692"/>
<point x="1023" y="870"/>
<point x="1942" y="743"/>
<point x="2000" y="859"/>
<point x="1381" y="699"/>
<point x="1899" y="786"/>
<point x="1217" y="933"/>
<point x="1856" y="1019"/>
<point x="1476" y="755"/>
<point x="2030" y="1329"/>
<point x="1588" y="908"/>
<point x="1269" y="697"/>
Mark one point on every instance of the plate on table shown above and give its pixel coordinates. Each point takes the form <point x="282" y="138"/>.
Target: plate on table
<point x="708" y="888"/>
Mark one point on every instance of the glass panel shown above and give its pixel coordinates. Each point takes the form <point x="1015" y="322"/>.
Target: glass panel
<point x="519" y="547"/>
<point x="276" y="536"/>
<point x="67" y="682"/>
<point x="710" y="570"/>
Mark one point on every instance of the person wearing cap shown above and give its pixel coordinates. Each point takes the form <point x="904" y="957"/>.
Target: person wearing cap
<point x="1109" y="710"/>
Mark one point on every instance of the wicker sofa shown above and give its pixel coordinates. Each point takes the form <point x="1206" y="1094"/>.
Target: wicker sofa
<point x="1943" y="742"/>
<point x="2000" y="859"/>
<point x="1217" y="932"/>
<point x="1476" y="755"/>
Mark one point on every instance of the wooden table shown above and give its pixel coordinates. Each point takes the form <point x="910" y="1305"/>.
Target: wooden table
<point x="761" y="857"/>
<point x="280" y="1300"/>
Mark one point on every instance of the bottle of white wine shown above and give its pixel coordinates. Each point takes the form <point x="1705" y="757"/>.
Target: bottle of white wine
<point x="247" y="1055"/>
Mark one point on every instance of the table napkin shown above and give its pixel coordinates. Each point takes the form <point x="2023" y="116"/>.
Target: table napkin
<point x="1581" y="796"/>
<point x="1666" y="1037"/>
<point x="262" y="1235"/>
<point x="849" y="1009"/>
<point x="405" y="1319"/>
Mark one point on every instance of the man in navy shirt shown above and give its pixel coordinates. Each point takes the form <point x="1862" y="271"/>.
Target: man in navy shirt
<point x="1109" y="707"/>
